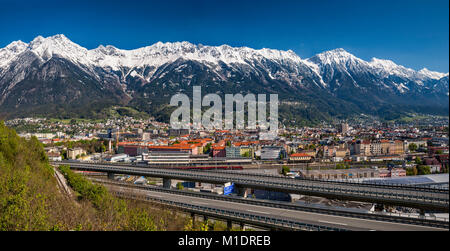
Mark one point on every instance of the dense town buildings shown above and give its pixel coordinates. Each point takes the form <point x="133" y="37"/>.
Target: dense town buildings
<point x="154" y="142"/>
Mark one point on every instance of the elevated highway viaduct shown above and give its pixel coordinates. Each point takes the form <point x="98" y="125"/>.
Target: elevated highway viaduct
<point x="263" y="216"/>
<point x="408" y="196"/>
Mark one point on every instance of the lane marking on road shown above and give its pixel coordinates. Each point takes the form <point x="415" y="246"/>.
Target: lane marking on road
<point x="199" y="202"/>
<point x="253" y="211"/>
<point x="330" y="222"/>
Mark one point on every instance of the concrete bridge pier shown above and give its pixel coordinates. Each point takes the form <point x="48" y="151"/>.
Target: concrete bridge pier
<point x="242" y="225"/>
<point x="193" y="220"/>
<point x="111" y="176"/>
<point x="379" y="207"/>
<point x="422" y="212"/>
<point x="229" y="225"/>
<point x="167" y="183"/>
<point x="242" y="191"/>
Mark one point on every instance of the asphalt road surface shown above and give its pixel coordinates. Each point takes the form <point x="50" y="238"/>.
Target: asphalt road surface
<point x="354" y="224"/>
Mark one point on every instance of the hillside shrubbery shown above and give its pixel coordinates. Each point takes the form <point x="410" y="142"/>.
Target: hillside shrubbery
<point x="30" y="198"/>
<point x="26" y="183"/>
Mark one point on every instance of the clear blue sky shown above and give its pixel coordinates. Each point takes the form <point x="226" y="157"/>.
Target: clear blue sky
<point x="413" y="33"/>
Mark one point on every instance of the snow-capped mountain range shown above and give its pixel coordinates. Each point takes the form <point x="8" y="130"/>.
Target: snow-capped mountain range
<point x="62" y="71"/>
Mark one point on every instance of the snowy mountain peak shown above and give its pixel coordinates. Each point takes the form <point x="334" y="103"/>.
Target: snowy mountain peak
<point x="37" y="40"/>
<point x="222" y="52"/>
<point x="13" y="49"/>
<point x="16" y="46"/>
<point x="56" y="40"/>
<point x="388" y="67"/>
<point x="60" y="38"/>
<point x="432" y="74"/>
<point x="383" y="63"/>
<point x="335" y="57"/>
<point x="339" y="51"/>
<point x="54" y="70"/>
<point x="161" y="53"/>
<point x="60" y="45"/>
<point x="108" y="50"/>
<point x="57" y="43"/>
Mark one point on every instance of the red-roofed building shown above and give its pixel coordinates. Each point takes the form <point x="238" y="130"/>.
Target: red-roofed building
<point x="300" y="157"/>
<point x="134" y="150"/>
<point x="434" y="149"/>
<point x="219" y="152"/>
<point x="246" y="143"/>
<point x="191" y="149"/>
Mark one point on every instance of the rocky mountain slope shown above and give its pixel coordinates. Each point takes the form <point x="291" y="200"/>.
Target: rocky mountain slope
<point x="55" y="77"/>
